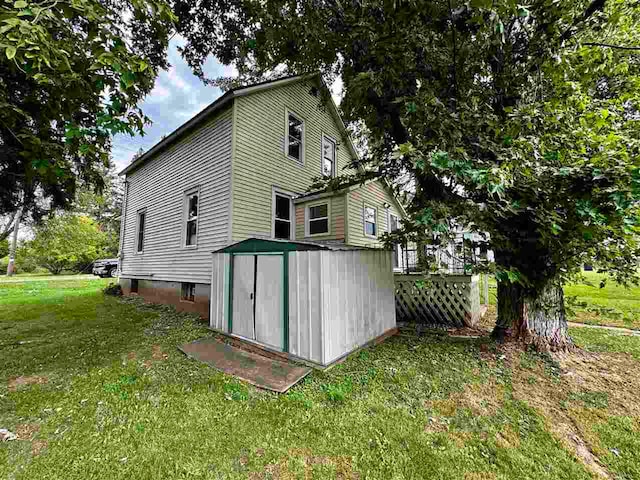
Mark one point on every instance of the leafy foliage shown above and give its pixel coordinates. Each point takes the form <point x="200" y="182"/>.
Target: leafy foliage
<point x="507" y="119"/>
<point x="67" y="241"/>
<point x="71" y="74"/>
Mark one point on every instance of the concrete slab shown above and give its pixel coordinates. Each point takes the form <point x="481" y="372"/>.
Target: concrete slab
<point x="261" y="371"/>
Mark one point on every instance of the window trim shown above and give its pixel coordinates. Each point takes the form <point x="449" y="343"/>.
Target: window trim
<point x="184" y="298"/>
<point x="364" y="221"/>
<point x="307" y="219"/>
<point x="303" y="142"/>
<point x="292" y="212"/>
<point x="142" y="211"/>
<point x="397" y="247"/>
<point x="335" y="155"/>
<point x="185" y="216"/>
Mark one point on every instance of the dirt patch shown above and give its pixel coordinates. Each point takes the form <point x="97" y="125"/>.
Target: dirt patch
<point x="132" y="356"/>
<point x="157" y="353"/>
<point x="17" y="382"/>
<point x="484" y="399"/>
<point x="26" y="431"/>
<point x="479" y="476"/>
<point x="147" y="363"/>
<point x="508" y="438"/>
<point x="37" y="447"/>
<point x="548" y="395"/>
<point x="280" y="470"/>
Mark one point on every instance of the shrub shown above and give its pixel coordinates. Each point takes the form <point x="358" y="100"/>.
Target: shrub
<point x="113" y="289"/>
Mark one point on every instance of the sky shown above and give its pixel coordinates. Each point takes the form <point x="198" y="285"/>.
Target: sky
<point x="176" y="97"/>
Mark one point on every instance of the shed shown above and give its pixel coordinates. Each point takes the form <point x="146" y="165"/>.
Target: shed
<point x="317" y="302"/>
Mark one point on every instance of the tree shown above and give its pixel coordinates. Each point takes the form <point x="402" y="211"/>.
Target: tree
<point x="104" y="208"/>
<point x="510" y="119"/>
<point x="67" y="240"/>
<point x="71" y="74"/>
<point x="4" y="248"/>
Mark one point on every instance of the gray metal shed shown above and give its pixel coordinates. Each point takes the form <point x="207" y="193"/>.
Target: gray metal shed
<point x="313" y="301"/>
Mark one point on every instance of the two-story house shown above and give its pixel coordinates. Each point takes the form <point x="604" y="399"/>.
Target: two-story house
<point x="240" y="169"/>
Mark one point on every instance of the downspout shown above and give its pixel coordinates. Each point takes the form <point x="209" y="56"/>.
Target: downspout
<point x="123" y="224"/>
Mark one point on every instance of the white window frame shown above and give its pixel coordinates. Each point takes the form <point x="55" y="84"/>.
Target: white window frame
<point x="307" y="219"/>
<point x="142" y="211"/>
<point x="397" y="248"/>
<point x="292" y="212"/>
<point x="331" y="140"/>
<point x="185" y="216"/>
<point x="303" y="142"/>
<point x="364" y="220"/>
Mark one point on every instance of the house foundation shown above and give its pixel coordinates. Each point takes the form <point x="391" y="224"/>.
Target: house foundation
<point x="184" y="297"/>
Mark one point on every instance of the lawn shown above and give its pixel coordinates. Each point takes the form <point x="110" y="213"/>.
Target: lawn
<point x="94" y="387"/>
<point x="612" y="305"/>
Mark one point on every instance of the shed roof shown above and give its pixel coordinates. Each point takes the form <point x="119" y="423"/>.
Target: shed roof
<point x="263" y="245"/>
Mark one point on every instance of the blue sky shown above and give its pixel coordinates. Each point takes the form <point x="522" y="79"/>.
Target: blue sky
<point x="176" y="97"/>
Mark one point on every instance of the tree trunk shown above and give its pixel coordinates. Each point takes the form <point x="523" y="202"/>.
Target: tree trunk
<point x="535" y="317"/>
<point x="11" y="267"/>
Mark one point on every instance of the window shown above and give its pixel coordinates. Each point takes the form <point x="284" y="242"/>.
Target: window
<point x="191" y="232"/>
<point x="282" y="217"/>
<point x="188" y="293"/>
<point x="328" y="157"/>
<point x="394" y="224"/>
<point x="142" y="216"/>
<point x="295" y="137"/>
<point x="134" y="285"/>
<point x="318" y="216"/>
<point x="370" y="227"/>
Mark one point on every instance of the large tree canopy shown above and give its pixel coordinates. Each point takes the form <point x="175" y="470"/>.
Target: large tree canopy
<point x="71" y="75"/>
<point x="520" y="120"/>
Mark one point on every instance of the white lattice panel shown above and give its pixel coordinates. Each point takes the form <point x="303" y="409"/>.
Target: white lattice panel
<point x="442" y="300"/>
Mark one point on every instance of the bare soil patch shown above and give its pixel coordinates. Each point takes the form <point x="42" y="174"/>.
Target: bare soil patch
<point x="16" y="382"/>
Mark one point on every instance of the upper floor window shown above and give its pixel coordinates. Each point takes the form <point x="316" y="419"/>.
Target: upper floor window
<point x="142" y="217"/>
<point x="318" y="219"/>
<point x="191" y="226"/>
<point x="370" y="225"/>
<point x="295" y="137"/>
<point x="328" y="157"/>
<point x="394" y="223"/>
<point x="282" y="216"/>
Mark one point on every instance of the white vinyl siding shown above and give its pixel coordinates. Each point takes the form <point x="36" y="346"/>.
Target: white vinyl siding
<point x="260" y="157"/>
<point x="202" y="158"/>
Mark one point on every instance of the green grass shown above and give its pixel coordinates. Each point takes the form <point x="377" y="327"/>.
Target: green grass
<point x="412" y="407"/>
<point x="594" y="340"/>
<point x="612" y="305"/>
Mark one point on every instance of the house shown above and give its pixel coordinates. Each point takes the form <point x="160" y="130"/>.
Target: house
<point x="241" y="169"/>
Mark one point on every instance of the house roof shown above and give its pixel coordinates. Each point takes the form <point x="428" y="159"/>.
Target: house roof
<point x="320" y="194"/>
<point x="226" y="100"/>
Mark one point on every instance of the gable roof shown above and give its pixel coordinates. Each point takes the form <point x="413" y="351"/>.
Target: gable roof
<point x="226" y="100"/>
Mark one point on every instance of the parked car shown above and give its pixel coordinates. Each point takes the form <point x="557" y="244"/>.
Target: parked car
<point x="105" y="267"/>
